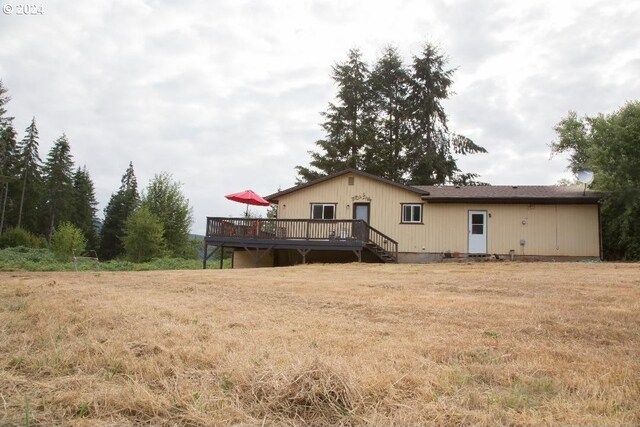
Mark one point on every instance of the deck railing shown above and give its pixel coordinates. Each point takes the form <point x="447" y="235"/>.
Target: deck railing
<point x="300" y="229"/>
<point x="383" y="241"/>
<point x="287" y="229"/>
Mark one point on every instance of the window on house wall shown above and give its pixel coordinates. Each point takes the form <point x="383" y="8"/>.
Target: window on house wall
<point x="323" y="211"/>
<point x="411" y="214"/>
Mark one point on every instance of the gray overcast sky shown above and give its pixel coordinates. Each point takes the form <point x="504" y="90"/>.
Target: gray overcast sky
<point x="227" y="95"/>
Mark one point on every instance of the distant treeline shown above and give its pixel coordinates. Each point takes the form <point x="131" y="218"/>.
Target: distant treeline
<point x="37" y="196"/>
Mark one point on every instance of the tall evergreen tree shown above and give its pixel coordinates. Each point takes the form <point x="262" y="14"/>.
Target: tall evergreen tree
<point x="164" y="199"/>
<point x="58" y="185"/>
<point x="7" y="135"/>
<point x="7" y="157"/>
<point x="84" y="206"/>
<point x="390" y="83"/>
<point x="30" y="178"/>
<point x="120" y="207"/>
<point x="8" y="150"/>
<point x="391" y="122"/>
<point x="349" y="123"/>
<point x="4" y="100"/>
<point x="432" y="148"/>
<point x="7" y="173"/>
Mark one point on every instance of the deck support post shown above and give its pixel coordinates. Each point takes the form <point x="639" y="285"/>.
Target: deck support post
<point x="304" y="253"/>
<point x="206" y="255"/>
<point x="221" y="256"/>
<point x="358" y="253"/>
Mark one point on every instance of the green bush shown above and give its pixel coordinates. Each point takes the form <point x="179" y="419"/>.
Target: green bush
<point x="29" y="259"/>
<point x="20" y="237"/>
<point x="67" y="240"/>
<point x="143" y="239"/>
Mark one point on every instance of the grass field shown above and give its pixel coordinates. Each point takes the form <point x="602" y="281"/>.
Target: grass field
<point x="445" y="344"/>
<point x="31" y="259"/>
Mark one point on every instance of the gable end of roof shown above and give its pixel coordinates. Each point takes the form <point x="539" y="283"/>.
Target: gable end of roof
<point x="273" y="198"/>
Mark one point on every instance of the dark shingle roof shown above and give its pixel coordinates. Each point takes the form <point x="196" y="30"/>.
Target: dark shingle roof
<point x="508" y="194"/>
<point x="471" y="194"/>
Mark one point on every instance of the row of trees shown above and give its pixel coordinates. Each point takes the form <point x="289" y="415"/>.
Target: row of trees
<point x="389" y="120"/>
<point x="38" y="197"/>
<point x="150" y="225"/>
<point x="610" y="146"/>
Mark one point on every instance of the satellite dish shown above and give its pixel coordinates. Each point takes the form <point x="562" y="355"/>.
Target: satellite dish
<point x="585" y="176"/>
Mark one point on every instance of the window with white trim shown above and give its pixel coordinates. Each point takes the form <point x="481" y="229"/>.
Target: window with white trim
<point x="323" y="211"/>
<point x="411" y="214"/>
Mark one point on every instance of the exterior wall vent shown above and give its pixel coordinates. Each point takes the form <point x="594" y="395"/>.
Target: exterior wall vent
<point x="351" y="180"/>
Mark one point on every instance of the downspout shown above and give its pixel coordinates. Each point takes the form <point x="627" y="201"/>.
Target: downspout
<point x="600" y="233"/>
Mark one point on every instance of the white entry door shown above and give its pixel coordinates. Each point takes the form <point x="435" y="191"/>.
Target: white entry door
<point x="477" y="232"/>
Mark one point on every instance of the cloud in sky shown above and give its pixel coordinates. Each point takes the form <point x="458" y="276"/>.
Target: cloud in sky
<point x="227" y="95"/>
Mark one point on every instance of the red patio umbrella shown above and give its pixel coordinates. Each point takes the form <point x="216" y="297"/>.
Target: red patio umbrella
<point x="248" y="197"/>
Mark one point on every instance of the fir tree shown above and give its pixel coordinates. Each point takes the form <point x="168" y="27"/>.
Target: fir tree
<point x="7" y="157"/>
<point x="349" y="123"/>
<point x="120" y="207"/>
<point x="7" y="136"/>
<point x="58" y="185"/>
<point x="390" y="122"/>
<point x="8" y="150"/>
<point x="7" y="172"/>
<point x="30" y="178"/>
<point x="390" y="84"/>
<point x="4" y="99"/>
<point x="84" y="206"/>
<point x="432" y="145"/>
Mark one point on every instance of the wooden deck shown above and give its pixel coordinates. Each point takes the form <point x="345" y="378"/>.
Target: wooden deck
<point x="303" y="235"/>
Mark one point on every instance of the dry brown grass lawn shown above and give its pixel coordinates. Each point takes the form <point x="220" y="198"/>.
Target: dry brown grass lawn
<point x="447" y="344"/>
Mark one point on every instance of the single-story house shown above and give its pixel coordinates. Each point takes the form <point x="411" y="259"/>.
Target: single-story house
<point x="355" y="216"/>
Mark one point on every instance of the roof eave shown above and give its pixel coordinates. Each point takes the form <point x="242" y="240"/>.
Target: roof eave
<point x="578" y="200"/>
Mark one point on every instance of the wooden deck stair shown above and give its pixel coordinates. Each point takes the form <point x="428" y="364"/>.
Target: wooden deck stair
<point x="384" y="256"/>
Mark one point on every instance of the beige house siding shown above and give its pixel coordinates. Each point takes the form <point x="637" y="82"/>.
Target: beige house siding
<point x="549" y="230"/>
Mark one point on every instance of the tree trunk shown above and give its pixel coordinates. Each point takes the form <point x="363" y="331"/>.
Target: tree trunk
<point x="24" y="185"/>
<point x="4" y="205"/>
<point x="50" y="233"/>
